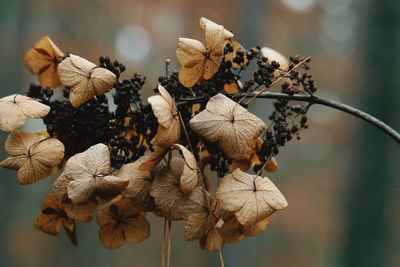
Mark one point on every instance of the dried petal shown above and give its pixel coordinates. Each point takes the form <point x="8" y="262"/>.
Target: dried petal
<point x="89" y="172"/>
<point x="121" y="222"/>
<point x="53" y="217"/>
<point x="43" y="59"/>
<point x="188" y="178"/>
<point x="200" y="217"/>
<point x="33" y="155"/>
<point x="251" y="197"/>
<point x="138" y="189"/>
<point x="232" y="126"/>
<point x="84" y="79"/>
<point x="168" y="198"/>
<point x="14" y="110"/>
<point x="204" y="22"/>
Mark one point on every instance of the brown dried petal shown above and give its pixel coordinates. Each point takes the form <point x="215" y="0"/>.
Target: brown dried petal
<point x="168" y="198"/>
<point x="204" y="22"/>
<point x="188" y="179"/>
<point x="121" y="222"/>
<point x="229" y="124"/>
<point x="138" y="189"/>
<point x="199" y="219"/>
<point x="43" y="60"/>
<point x="212" y="241"/>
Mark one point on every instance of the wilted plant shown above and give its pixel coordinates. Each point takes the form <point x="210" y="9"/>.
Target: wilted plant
<point x="139" y="157"/>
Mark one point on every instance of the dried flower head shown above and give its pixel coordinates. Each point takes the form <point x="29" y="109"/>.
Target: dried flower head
<point x="231" y="125"/>
<point x="198" y="61"/>
<point x="33" y="155"/>
<point x="251" y="197"/>
<point x="89" y="172"/>
<point x="169" y="130"/>
<point x="165" y="189"/>
<point x="53" y="217"/>
<point x="84" y="78"/>
<point x="138" y="189"/>
<point x="200" y="217"/>
<point x="14" y="109"/>
<point x="43" y="60"/>
<point x="81" y="212"/>
<point x="122" y="222"/>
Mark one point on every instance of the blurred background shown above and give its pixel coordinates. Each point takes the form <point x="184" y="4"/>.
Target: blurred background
<point x="341" y="179"/>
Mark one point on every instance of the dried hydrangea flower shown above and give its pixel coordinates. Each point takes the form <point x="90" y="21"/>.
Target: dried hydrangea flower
<point x="138" y="189"/>
<point x="252" y="159"/>
<point x="43" y="60"/>
<point x="53" y="217"/>
<point x="89" y="172"/>
<point x="14" y="109"/>
<point x="81" y="212"/>
<point x="228" y="39"/>
<point x="165" y="189"/>
<point x="33" y="155"/>
<point x="231" y="125"/>
<point x="169" y="130"/>
<point x="84" y="78"/>
<point x="122" y="222"/>
<point x="251" y="197"/>
<point x="197" y="60"/>
<point x="199" y="218"/>
<point x="188" y="175"/>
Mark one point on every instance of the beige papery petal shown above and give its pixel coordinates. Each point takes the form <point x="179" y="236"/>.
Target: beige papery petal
<point x="122" y="222"/>
<point x="84" y="79"/>
<point x="228" y="36"/>
<point x="215" y="44"/>
<point x="197" y="60"/>
<point x="169" y="130"/>
<point x="168" y="197"/>
<point x="14" y="109"/>
<point x="204" y="22"/>
<point x="188" y="178"/>
<point x="53" y="217"/>
<point x="153" y="159"/>
<point x="212" y="241"/>
<point x="199" y="218"/>
<point x="252" y="198"/>
<point x="80" y="212"/>
<point x="138" y="189"/>
<point x="89" y="172"/>
<point x="228" y="123"/>
<point x="33" y="155"/>
<point x="43" y="59"/>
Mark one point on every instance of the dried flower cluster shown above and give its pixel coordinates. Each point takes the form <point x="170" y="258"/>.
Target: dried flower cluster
<point x="154" y="157"/>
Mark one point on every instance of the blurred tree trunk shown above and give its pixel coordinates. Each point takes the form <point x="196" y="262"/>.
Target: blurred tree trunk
<point x="367" y="243"/>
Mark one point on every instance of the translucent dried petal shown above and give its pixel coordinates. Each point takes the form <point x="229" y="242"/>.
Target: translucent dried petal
<point x="14" y="109"/>
<point x="90" y="177"/>
<point x="199" y="219"/>
<point x="229" y="124"/>
<point x="84" y="79"/>
<point x="33" y="155"/>
<point x="138" y="189"/>
<point x="204" y="22"/>
<point x="251" y="197"/>
<point x="188" y="178"/>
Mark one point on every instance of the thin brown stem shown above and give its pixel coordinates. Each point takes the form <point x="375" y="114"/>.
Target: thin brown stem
<point x="169" y="242"/>
<point x="163" y="245"/>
